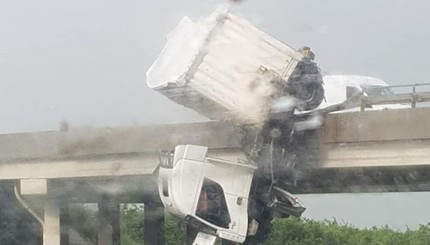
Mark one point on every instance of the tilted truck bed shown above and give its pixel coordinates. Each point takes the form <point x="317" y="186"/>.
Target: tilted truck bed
<point x="223" y="67"/>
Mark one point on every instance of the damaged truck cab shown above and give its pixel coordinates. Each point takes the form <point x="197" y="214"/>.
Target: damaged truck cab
<point x="214" y="195"/>
<point x="212" y="192"/>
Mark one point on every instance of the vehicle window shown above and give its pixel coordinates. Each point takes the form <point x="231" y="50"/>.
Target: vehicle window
<point x="212" y="205"/>
<point x="350" y="91"/>
<point x="377" y="90"/>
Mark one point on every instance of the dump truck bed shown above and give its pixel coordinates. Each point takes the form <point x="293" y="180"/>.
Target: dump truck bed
<point x="222" y="67"/>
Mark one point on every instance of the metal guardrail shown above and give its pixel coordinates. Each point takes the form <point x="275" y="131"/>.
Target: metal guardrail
<point x="413" y="97"/>
<point x="409" y="85"/>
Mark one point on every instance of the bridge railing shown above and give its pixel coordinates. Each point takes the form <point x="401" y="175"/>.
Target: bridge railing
<point x="411" y="98"/>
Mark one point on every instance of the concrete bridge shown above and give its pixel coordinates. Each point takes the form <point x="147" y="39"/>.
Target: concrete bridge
<point x="369" y="151"/>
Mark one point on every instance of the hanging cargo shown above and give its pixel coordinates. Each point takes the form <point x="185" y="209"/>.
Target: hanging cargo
<point x="223" y="67"/>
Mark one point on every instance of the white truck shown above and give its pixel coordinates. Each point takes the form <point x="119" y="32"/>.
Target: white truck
<point x="225" y="68"/>
<point x="218" y="197"/>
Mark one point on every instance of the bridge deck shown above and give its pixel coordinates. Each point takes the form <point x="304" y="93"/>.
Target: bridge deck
<point x="371" y="139"/>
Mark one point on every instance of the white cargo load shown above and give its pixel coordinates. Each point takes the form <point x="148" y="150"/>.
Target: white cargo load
<point x="222" y="67"/>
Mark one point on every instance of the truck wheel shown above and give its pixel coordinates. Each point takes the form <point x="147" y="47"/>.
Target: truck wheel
<point x="316" y="90"/>
<point x="310" y="92"/>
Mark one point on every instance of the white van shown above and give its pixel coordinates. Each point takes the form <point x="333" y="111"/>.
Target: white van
<point x="339" y="88"/>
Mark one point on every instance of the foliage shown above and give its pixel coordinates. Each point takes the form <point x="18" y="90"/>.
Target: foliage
<point x="309" y="232"/>
<point x="131" y="225"/>
<point x="291" y="231"/>
<point x="175" y="231"/>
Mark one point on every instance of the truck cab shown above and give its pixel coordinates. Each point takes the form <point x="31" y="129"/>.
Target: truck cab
<point x="215" y="195"/>
<point x="211" y="192"/>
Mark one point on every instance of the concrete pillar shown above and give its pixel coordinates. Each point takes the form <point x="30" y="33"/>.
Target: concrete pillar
<point x="153" y="223"/>
<point x="34" y="187"/>
<point x="64" y="224"/>
<point x="108" y="226"/>
<point x="51" y="227"/>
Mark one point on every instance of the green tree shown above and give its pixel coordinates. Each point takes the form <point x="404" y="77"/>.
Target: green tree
<point x="291" y="231"/>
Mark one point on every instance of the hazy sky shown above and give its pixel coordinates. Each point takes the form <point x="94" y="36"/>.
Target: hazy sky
<point x="85" y="60"/>
<point x="397" y="210"/>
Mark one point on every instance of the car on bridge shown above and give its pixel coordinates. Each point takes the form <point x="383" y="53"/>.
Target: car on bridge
<point x="339" y="88"/>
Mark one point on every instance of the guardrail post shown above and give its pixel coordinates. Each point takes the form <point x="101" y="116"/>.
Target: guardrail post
<point x="362" y="105"/>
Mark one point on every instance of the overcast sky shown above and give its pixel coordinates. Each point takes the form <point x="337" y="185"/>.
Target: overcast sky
<point x="84" y="61"/>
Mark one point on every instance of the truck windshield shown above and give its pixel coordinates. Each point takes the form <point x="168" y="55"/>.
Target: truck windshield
<point x="377" y="90"/>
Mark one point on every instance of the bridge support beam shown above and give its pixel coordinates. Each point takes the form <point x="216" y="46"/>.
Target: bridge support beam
<point x="36" y="190"/>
